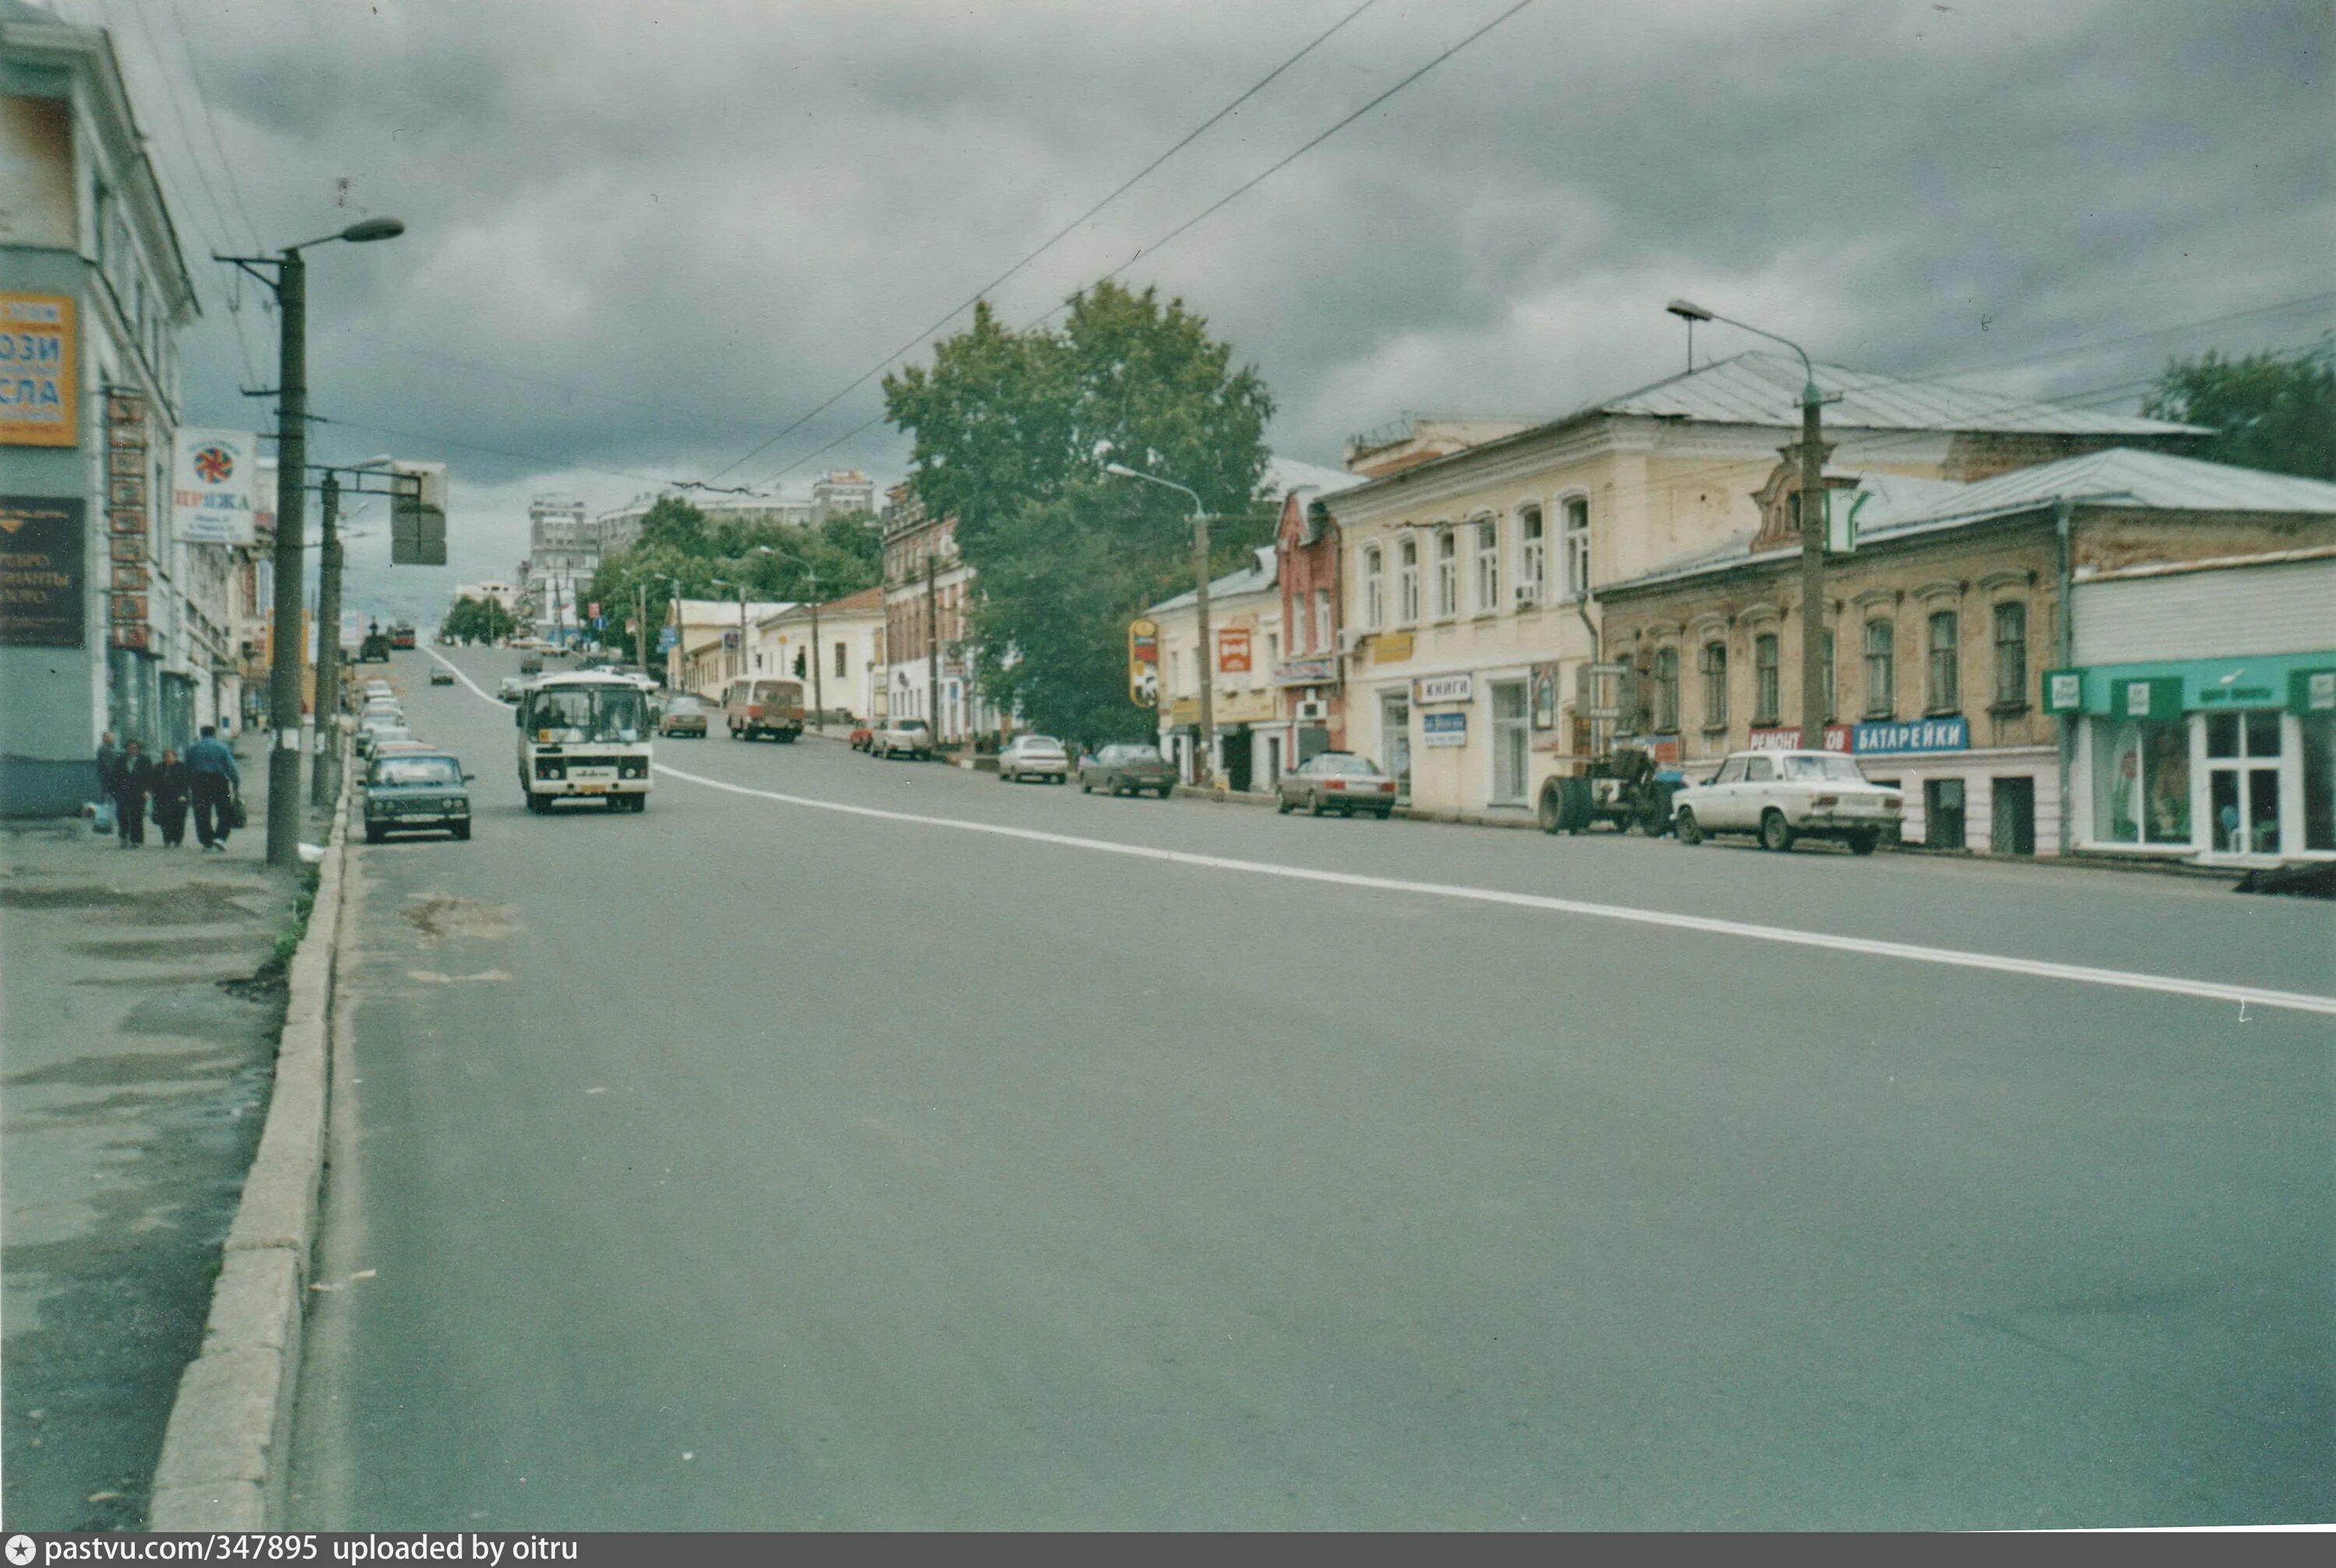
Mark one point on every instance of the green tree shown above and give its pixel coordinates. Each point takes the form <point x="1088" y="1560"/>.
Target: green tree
<point x="2267" y="410"/>
<point x="1011" y="432"/>
<point x="478" y="621"/>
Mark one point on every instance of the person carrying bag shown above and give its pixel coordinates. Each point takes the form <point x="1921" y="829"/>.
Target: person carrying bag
<point x="216" y="785"/>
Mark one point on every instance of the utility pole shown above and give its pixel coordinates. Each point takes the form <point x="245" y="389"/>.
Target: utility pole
<point x="291" y="497"/>
<point x="1206" y="655"/>
<point x="932" y="645"/>
<point x="325" y="771"/>
<point x="741" y="629"/>
<point x="641" y="626"/>
<point x="818" y="692"/>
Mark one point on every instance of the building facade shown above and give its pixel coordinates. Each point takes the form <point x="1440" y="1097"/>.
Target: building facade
<point x="928" y="607"/>
<point x="715" y="642"/>
<point x="1310" y="695"/>
<point x="1246" y="631"/>
<point x="109" y="620"/>
<point x="846" y="653"/>
<point x="841" y="492"/>
<point x="1945" y="623"/>
<point x="563" y="554"/>
<point x="1473" y="579"/>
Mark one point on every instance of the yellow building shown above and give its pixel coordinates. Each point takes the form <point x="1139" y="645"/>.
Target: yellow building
<point x="1471" y="576"/>
<point x="1245" y="625"/>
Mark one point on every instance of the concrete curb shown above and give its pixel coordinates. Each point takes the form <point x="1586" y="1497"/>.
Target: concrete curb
<point x="224" y="1450"/>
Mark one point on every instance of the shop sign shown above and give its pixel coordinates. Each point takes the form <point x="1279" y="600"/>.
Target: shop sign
<point x="1391" y="646"/>
<point x="2159" y="697"/>
<point x="39" y="402"/>
<point x="41" y="599"/>
<point x="1304" y="672"/>
<point x="2313" y="691"/>
<point x="1443" y="728"/>
<point x="1144" y="663"/>
<point x="2064" y="690"/>
<point x="1435" y="688"/>
<point x="1233" y="650"/>
<point x="1664" y="748"/>
<point x="1892" y="736"/>
<point x="1787" y="737"/>
<point x="212" y="497"/>
<point x="126" y="504"/>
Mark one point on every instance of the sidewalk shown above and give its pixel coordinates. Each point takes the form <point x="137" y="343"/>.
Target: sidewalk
<point x="133" y="1088"/>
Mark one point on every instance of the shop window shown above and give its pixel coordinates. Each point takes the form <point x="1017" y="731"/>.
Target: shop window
<point x="1577" y="546"/>
<point x="1447" y="574"/>
<point x="2319" y="783"/>
<point x="1766" y="694"/>
<point x="2012" y="654"/>
<point x="1881" y="669"/>
<point x="1488" y="566"/>
<point x="1943" y="690"/>
<point x="2243" y="782"/>
<point x="1531" y="560"/>
<point x="1374" y="589"/>
<point x="2141" y="781"/>
<point x="1407" y="581"/>
<point x="1713" y="667"/>
<point x="1666" y="693"/>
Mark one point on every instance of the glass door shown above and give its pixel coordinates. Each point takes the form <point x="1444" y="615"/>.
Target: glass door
<point x="1395" y="741"/>
<point x="1510" y="743"/>
<point x="2243" y="781"/>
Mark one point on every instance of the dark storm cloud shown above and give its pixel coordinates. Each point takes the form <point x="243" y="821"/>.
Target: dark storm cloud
<point x="644" y="237"/>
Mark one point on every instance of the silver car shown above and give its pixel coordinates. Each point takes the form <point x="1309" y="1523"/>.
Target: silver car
<point x="1039" y="757"/>
<point x="1336" y="781"/>
<point x="1784" y="795"/>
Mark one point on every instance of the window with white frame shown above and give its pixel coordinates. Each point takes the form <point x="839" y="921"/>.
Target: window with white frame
<point x="1577" y="546"/>
<point x="1322" y="632"/>
<point x="1305" y="621"/>
<point x="1374" y="589"/>
<point x="1532" y="552"/>
<point x="1408" y="579"/>
<point x="1447" y="574"/>
<point x="1488" y="565"/>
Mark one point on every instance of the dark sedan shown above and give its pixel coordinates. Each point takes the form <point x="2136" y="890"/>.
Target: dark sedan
<point x="1127" y="770"/>
<point x="416" y="792"/>
<point x="1336" y="781"/>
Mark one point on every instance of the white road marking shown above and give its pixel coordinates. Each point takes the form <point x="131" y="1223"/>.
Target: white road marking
<point x="1867" y="947"/>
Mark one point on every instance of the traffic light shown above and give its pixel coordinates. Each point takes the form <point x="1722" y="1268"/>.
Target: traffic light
<point x="417" y="514"/>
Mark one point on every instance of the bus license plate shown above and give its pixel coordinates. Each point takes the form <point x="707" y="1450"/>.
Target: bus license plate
<point x="595" y="789"/>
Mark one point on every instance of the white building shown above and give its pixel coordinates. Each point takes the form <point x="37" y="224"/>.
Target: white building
<point x="563" y="554"/>
<point x="1245" y="623"/>
<point x="841" y="492"/>
<point x="842" y="669"/>
<point x="715" y="642"/>
<point x="619" y="529"/>
<point x="505" y="594"/>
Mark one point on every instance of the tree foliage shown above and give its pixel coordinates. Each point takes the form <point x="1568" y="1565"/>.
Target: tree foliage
<point x="478" y="621"/>
<point x="681" y="553"/>
<point x="2267" y="410"/>
<point x="1011" y="432"/>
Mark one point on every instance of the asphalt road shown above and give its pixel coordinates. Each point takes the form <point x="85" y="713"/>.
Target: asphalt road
<point x="747" y="1164"/>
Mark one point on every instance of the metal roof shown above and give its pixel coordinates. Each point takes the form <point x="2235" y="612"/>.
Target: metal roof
<point x="1284" y="474"/>
<point x="1763" y="387"/>
<point x="1260" y="574"/>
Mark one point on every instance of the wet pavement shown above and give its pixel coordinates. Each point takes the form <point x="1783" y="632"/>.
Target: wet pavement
<point x="133" y="1082"/>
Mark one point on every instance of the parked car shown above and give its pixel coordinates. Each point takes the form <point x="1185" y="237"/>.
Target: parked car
<point x="863" y="736"/>
<point x="416" y="791"/>
<point x="683" y="716"/>
<point x="909" y="737"/>
<point x="1127" y="770"/>
<point x="1336" y="781"/>
<point x="1784" y="795"/>
<point x="441" y="675"/>
<point x="370" y="735"/>
<point x="1039" y="757"/>
<point x="379" y="687"/>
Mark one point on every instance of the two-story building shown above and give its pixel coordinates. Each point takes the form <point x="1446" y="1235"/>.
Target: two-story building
<point x="928" y="619"/>
<point x="1310" y="695"/>
<point x="836" y="651"/>
<point x="1472" y="578"/>
<point x="1245" y="630"/>
<point x="2204" y="599"/>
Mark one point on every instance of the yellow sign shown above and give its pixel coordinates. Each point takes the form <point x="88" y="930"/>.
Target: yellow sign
<point x="39" y="400"/>
<point x="1391" y="647"/>
<point x="1144" y="663"/>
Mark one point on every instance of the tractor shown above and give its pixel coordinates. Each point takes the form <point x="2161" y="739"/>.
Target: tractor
<point x="1624" y="786"/>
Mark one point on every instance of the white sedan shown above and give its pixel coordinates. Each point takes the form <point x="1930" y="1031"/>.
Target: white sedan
<point x="1784" y="795"/>
<point x="1039" y="757"/>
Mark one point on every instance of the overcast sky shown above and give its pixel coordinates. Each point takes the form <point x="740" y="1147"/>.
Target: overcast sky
<point x="645" y="237"/>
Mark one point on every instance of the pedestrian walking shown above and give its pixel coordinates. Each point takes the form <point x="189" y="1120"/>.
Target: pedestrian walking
<point x="171" y="794"/>
<point x="133" y="781"/>
<point x="213" y="783"/>
<point x="109" y="758"/>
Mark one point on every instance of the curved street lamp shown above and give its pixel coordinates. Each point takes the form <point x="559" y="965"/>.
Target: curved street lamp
<point x="1204" y="658"/>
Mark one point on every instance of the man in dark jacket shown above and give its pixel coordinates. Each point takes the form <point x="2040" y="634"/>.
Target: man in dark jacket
<point x="133" y="780"/>
<point x="109" y="758"/>
<point x="213" y="780"/>
<point x="170" y="794"/>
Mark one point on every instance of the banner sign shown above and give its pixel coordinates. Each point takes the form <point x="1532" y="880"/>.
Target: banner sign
<point x="1144" y="663"/>
<point x="1233" y="650"/>
<point x="1787" y="737"/>
<point x="1435" y="688"/>
<point x="39" y="401"/>
<point x="214" y="487"/>
<point x="1443" y="728"/>
<point x="1892" y="736"/>
<point x="1305" y="672"/>
<point x="126" y="505"/>
<point x="42" y="548"/>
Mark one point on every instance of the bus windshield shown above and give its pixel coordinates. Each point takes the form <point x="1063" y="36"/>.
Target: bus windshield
<point x="569" y="715"/>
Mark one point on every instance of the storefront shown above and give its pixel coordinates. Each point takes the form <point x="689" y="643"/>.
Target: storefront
<point x="2225" y="759"/>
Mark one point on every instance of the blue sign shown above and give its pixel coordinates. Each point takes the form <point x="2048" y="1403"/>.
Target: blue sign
<point x="667" y="638"/>
<point x="1912" y="735"/>
<point x="599" y="623"/>
<point x="1443" y="728"/>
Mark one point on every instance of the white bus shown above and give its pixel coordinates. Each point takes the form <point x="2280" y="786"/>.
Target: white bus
<point x="584" y="735"/>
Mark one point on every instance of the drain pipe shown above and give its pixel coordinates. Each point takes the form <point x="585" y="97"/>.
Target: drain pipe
<point x="2062" y="510"/>
<point x="1582" y="608"/>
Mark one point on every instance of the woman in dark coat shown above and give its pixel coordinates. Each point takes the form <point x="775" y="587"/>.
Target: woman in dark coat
<point x="133" y="781"/>
<point x="172" y="789"/>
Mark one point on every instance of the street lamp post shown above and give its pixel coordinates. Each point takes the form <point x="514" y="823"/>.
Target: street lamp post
<point x="289" y="281"/>
<point x="1813" y="524"/>
<point x="818" y="692"/>
<point x="324" y="769"/>
<point x="1205" y="655"/>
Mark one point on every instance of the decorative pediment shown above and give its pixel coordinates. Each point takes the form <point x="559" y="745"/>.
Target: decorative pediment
<point x="1758" y="614"/>
<point x="1876" y="597"/>
<point x="1941" y="589"/>
<point x="1995" y="582"/>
